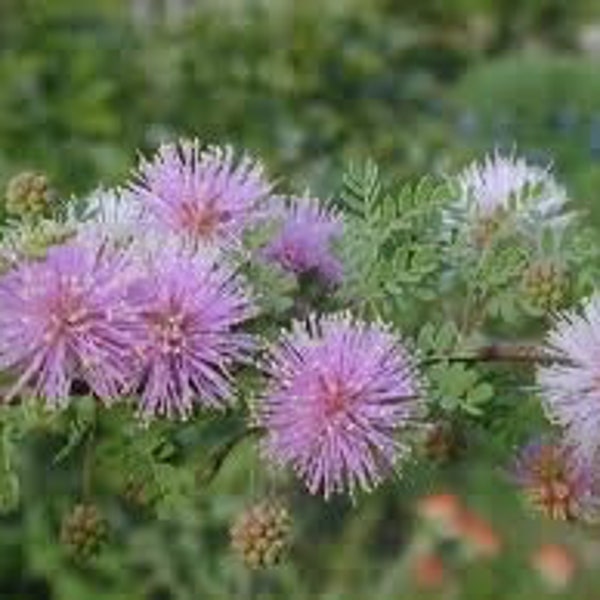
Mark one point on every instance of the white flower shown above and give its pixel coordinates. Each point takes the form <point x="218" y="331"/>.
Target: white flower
<point x="506" y="189"/>
<point x="113" y="214"/>
<point x="571" y="388"/>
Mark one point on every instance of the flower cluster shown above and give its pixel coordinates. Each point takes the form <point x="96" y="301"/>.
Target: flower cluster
<point x="139" y="296"/>
<point x="145" y="303"/>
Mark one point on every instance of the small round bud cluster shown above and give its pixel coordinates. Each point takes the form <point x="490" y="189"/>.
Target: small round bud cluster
<point x="84" y="530"/>
<point x="545" y="284"/>
<point x="28" y="194"/>
<point x="137" y="494"/>
<point x="261" y="534"/>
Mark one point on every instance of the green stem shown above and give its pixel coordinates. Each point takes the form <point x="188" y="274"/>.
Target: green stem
<point x="220" y="455"/>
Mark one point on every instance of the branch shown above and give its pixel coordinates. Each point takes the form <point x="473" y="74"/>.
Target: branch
<point x="526" y="353"/>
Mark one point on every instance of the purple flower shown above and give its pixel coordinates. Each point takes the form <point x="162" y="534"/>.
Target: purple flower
<point x="552" y="480"/>
<point x="304" y="241"/>
<point x="571" y="387"/>
<point x="339" y="391"/>
<point x="65" y="319"/>
<point x="202" y="194"/>
<point x="189" y="307"/>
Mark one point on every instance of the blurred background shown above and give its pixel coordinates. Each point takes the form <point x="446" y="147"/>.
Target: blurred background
<point x="310" y="85"/>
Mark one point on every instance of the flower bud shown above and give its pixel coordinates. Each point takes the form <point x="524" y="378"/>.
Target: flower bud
<point x="261" y="534"/>
<point x="28" y="194"/>
<point x="545" y="285"/>
<point x="84" y="531"/>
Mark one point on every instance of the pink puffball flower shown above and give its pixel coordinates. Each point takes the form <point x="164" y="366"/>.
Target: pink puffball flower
<point x="189" y="309"/>
<point x="570" y="386"/>
<point x="339" y="392"/>
<point x="66" y="319"/>
<point x="201" y="194"/>
<point x="303" y="243"/>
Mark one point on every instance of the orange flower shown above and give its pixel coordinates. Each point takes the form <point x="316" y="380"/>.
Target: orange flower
<point x="555" y="565"/>
<point x="429" y="572"/>
<point x="443" y="511"/>
<point x="478" y="535"/>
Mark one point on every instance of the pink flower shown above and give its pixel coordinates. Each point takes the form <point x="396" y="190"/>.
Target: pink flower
<point x="189" y="308"/>
<point x="202" y="194"/>
<point x="339" y="392"/>
<point x="65" y="319"/>
<point x="304" y="241"/>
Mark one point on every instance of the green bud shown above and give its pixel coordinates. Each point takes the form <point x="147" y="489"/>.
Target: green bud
<point x="545" y="285"/>
<point x="84" y="531"/>
<point x="28" y="194"/>
<point x="261" y="534"/>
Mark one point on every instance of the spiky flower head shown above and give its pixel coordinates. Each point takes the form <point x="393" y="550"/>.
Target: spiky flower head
<point x="111" y="214"/>
<point x="205" y="194"/>
<point x="570" y="385"/>
<point x="261" y="534"/>
<point x="505" y="189"/>
<point x="28" y="194"/>
<point x="304" y="242"/>
<point x="340" y="390"/>
<point x="83" y="532"/>
<point x="64" y="319"/>
<point x="189" y="308"/>
<point x="551" y="480"/>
